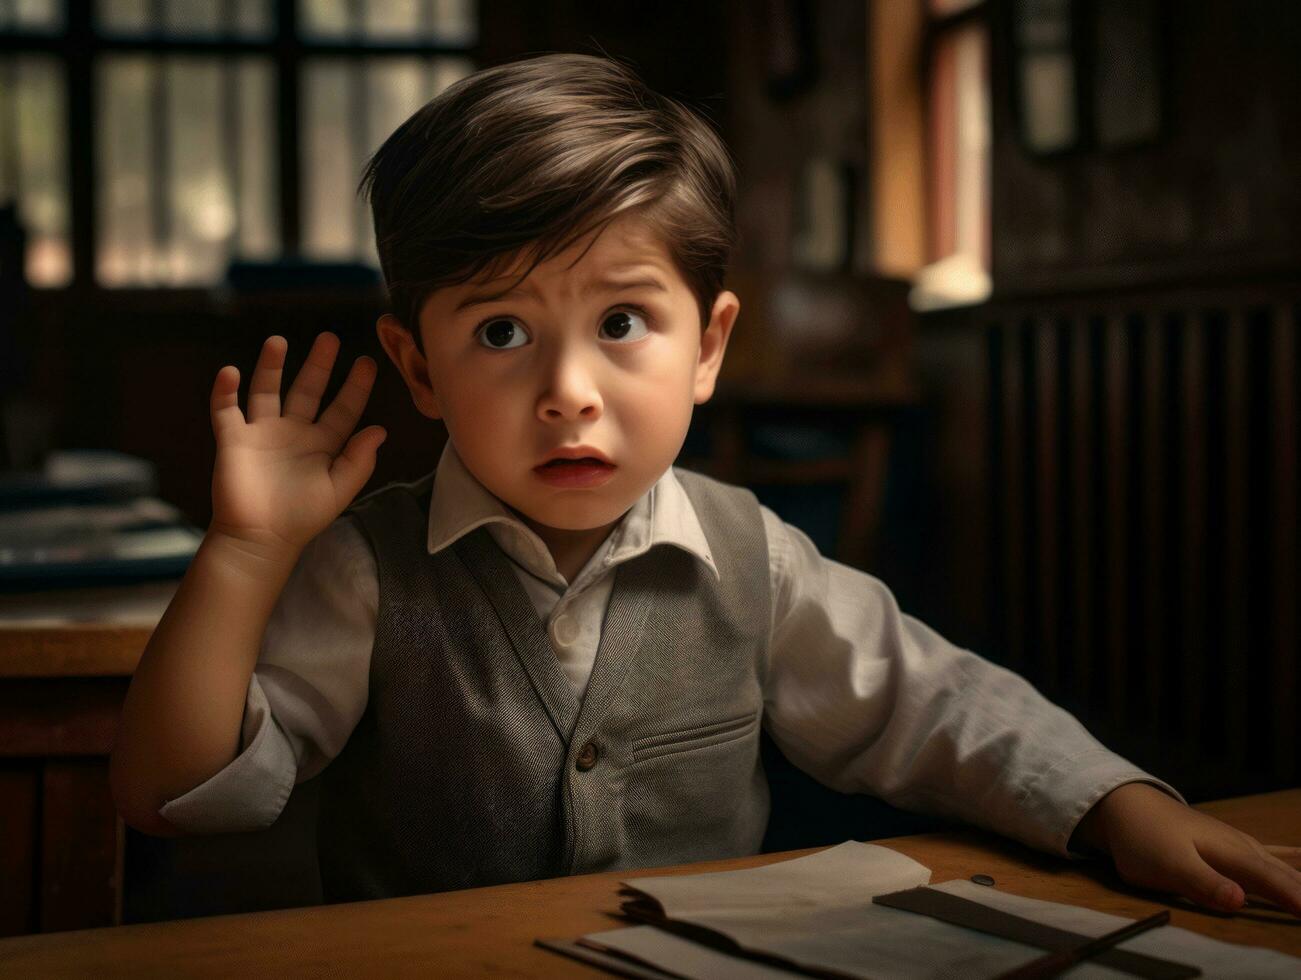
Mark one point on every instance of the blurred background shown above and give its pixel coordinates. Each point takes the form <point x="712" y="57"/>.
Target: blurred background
<point x="1019" y="285"/>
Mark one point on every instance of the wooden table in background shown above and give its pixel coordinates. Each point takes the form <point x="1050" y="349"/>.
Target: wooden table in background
<point x="490" y="931"/>
<point x="66" y="660"/>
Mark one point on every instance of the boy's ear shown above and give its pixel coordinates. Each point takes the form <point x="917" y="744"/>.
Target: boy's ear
<point x="713" y="344"/>
<point x="400" y="346"/>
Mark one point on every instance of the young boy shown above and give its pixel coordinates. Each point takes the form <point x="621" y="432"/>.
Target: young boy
<point x="554" y="653"/>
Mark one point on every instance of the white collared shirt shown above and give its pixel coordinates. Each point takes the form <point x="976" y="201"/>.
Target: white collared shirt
<point x="859" y="695"/>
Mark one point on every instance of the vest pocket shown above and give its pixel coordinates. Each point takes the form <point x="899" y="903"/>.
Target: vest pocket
<point x="698" y="736"/>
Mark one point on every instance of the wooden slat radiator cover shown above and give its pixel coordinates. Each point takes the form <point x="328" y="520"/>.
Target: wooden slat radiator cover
<point x="1142" y="521"/>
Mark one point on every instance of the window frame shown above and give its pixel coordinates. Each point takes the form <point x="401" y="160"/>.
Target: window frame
<point x="1083" y="46"/>
<point x="80" y="46"/>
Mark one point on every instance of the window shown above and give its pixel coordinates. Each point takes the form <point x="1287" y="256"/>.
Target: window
<point x="33" y="138"/>
<point x="957" y="156"/>
<point x="209" y="131"/>
<point x="1087" y="76"/>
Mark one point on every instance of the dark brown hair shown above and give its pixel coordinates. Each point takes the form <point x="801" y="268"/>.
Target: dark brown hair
<point x="530" y="157"/>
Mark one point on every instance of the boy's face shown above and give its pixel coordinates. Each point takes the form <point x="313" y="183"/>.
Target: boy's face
<point x="607" y="355"/>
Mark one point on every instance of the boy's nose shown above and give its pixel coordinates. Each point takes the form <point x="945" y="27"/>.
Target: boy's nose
<point x="570" y="392"/>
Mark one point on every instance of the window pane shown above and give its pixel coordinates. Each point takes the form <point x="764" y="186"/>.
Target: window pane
<point x="200" y="204"/>
<point x="33" y="128"/>
<point x="36" y="16"/>
<point x="456" y="21"/>
<point x="350" y="109"/>
<point x="192" y="17"/>
<point x="325" y="19"/>
<point x="1048" y="100"/>
<point x="186" y="18"/>
<point x="124" y="16"/>
<point x="448" y="70"/>
<point x="1043" y="23"/>
<point x="393" y="20"/>
<point x="387" y="21"/>
<point x="1126" y="80"/>
<point x="125" y="250"/>
<point x="329" y="158"/>
<point x="257" y="198"/>
<point x="186" y="165"/>
<point x="252" y="18"/>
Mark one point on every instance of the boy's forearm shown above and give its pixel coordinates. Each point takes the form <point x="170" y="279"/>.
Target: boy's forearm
<point x="183" y="712"/>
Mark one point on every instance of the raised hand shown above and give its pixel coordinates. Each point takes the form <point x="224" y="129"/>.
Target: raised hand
<point x="281" y="477"/>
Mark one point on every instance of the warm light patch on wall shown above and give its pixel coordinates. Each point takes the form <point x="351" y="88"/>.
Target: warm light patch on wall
<point x="897" y="139"/>
<point x="957" y="191"/>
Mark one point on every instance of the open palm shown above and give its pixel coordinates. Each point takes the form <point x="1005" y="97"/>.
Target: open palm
<point x="281" y="477"/>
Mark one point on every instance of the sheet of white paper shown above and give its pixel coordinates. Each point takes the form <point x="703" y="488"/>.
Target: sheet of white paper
<point x="685" y="956"/>
<point x="847" y="874"/>
<point x="870" y="942"/>
<point x="1216" y="958"/>
<point x="779" y="912"/>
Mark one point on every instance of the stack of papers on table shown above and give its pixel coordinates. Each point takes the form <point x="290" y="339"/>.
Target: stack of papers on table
<point x="67" y="545"/>
<point x="89" y="518"/>
<point x="815" y="916"/>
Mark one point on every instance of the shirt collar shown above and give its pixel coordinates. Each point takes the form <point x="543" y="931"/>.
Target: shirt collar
<point x="459" y="503"/>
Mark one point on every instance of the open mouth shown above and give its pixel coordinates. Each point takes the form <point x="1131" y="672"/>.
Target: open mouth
<point x="585" y="473"/>
<point x="585" y="461"/>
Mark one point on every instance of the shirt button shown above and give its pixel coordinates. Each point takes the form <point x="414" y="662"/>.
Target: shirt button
<point x="586" y="757"/>
<point x="565" y="629"/>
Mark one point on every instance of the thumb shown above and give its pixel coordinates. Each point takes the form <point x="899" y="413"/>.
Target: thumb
<point x="353" y="467"/>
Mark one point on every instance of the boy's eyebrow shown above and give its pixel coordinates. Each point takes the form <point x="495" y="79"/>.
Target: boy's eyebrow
<point x="608" y="283"/>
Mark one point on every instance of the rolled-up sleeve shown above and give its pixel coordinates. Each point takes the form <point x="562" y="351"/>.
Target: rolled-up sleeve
<point x="306" y="694"/>
<point x="869" y="700"/>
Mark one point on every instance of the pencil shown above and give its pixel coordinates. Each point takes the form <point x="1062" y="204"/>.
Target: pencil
<point x="1052" y="964"/>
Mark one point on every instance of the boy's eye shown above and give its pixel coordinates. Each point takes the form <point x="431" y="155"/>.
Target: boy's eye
<point x="501" y="335"/>
<point x="625" y="325"/>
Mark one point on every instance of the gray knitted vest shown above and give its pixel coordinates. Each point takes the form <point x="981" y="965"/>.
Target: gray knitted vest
<point x="475" y="763"/>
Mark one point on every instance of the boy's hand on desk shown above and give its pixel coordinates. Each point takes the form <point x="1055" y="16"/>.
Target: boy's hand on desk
<point x="280" y="478"/>
<point x="1157" y="842"/>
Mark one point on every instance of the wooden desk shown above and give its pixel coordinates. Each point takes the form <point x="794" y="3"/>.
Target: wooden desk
<point x="66" y="660"/>
<point x="490" y="931"/>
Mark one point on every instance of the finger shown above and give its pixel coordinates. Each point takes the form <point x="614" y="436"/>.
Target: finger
<point x="1268" y="854"/>
<point x="353" y="467"/>
<point x="264" y="389"/>
<point x="1284" y="852"/>
<point x="304" y="398"/>
<point x="1262" y="875"/>
<point x="225" y="402"/>
<point x="1198" y="881"/>
<point x="342" y="415"/>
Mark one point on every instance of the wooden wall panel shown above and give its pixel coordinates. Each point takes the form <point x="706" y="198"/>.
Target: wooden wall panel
<point x="19" y="813"/>
<point x="1285" y="573"/>
<point x="1191" y="670"/>
<point x="1142" y="559"/>
<point x="1236" y="651"/>
<point x="1047" y="435"/>
<point x="80" y="847"/>
<point x="1155" y="492"/>
<point x="1079" y="569"/>
<point x="1115" y="531"/>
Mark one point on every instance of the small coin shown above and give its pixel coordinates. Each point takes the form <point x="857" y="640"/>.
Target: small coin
<point x="982" y="879"/>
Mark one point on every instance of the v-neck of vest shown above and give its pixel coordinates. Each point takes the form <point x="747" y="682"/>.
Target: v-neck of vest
<point x="621" y="636"/>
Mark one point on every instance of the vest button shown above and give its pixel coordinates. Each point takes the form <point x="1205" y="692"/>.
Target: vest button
<point x="586" y="758"/>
